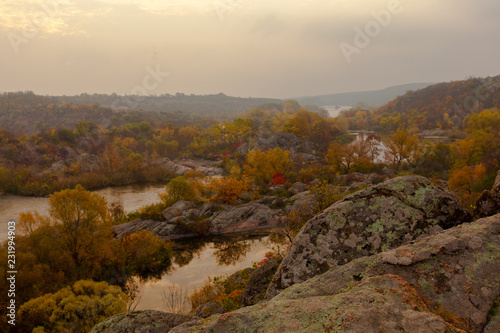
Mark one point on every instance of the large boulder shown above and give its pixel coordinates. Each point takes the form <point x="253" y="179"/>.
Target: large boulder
<point x="248" y="216"/>
<point x="489" y="202"/>
<point x="369" y="221"/>
<point x="446" y="282"/>
<point x="148" y="321"/>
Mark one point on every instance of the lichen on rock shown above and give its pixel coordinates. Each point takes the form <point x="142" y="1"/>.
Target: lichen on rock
<point x="370" y="221"/>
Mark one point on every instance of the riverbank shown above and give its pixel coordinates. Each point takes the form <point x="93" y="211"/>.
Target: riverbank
<point x="132" y="197"/>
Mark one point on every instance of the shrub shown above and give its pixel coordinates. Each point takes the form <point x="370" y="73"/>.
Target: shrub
<point x="73" y="309"/>
<point x="179" y="189"/>
<point x="225" y="290"/>
<point x="227" y="190"/>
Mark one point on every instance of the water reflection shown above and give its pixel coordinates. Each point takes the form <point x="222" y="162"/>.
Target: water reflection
<point x="227" y="249"/>
<point x="198" y="259"/>
<point x="230" y="253"/>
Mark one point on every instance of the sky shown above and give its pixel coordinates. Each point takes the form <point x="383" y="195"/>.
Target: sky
<point x="246" y="48"/>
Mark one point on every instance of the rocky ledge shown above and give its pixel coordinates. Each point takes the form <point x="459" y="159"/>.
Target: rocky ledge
<point x="215" y="218"/>
<point x="448" y="282"/>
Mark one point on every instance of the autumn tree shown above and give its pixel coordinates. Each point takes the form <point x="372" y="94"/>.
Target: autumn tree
<point x="143" y="253"/>
<point x="482" y="142"/>
<point x="84" y="224"/>
<point x="468" y="183"/>
<point x="344" y="158"/>
<point x="180" y="189"/>
<point x="73" y="309"/>
<point x="263" y="165"/>
<point x="227" y="190"/>
<point x="401" y="147"/>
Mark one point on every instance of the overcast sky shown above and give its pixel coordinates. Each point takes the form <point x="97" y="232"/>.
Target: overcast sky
<point x="271" y="48"/>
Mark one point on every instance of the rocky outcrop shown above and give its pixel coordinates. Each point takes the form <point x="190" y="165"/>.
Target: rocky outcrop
<point x="446" y="282"/>
<point x="220" y="218"/>
<point x="244" y="217"/>
<point x="299" y="202"/>
<point x="161" y="228"/>
<point x="148" y="321"/>
<point x="369" y="221"/>
<point x="297" y="188"/>
<point x="177" y="209"/>
<point x="489" y="202"/>
<point x="180" y="167"/>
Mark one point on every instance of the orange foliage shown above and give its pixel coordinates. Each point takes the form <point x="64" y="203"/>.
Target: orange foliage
<point x="227" y="190"/>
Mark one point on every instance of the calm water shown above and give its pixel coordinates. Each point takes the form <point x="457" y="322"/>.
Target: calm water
<point x="219" y="256"/>
<point x="197" y="260"/>
<point x="132" y="197"/>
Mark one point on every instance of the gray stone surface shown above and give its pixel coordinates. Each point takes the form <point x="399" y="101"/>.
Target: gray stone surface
<point x="369" y="221"/>
<point x="244" y="217"/>
<point x="148" y="321"/>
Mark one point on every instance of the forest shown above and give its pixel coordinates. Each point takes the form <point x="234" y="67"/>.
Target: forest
<point x="74" y="273"/>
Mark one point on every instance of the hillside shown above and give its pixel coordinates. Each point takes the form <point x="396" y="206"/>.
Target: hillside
<point x="27" y="113"/>
<point x="219" y="106"/>
<point x="444" y="105"/>
<point x="371" y="98"/>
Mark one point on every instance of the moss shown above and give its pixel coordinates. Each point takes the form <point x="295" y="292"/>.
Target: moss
<point x="481" y="261"/>
<point x="420" y="195"/>
<point x="425" y="267"/>
<point x="377" y="226"/>
<point x="424" y="285"/>
<point x="494" y="310"/>
<point x="391" y="237"/>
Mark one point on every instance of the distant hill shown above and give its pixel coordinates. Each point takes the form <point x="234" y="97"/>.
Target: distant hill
<point x="372" y="98"/>
<point x="26" y="112"/>
<point x="219" y="106"/>
<point x="443" y="105"/>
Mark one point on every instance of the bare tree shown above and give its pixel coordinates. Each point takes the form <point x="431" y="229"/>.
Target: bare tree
<point x="175" y="299"/>
<point x="134" y="292"/>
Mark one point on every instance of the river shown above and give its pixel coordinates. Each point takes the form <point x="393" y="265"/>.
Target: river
<point x="201" y="258"/>
<point x="132" y="197"/>
<point x="216" y="256"/>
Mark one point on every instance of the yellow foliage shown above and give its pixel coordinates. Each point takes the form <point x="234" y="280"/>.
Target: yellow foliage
<point x="73" y="309"/>
<point x="263" y="165"/>
<point x="227" y="190"/>
<point x="468" y="183"/>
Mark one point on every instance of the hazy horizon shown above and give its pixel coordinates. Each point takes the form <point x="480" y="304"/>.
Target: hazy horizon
<point x="243" y="48"/>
